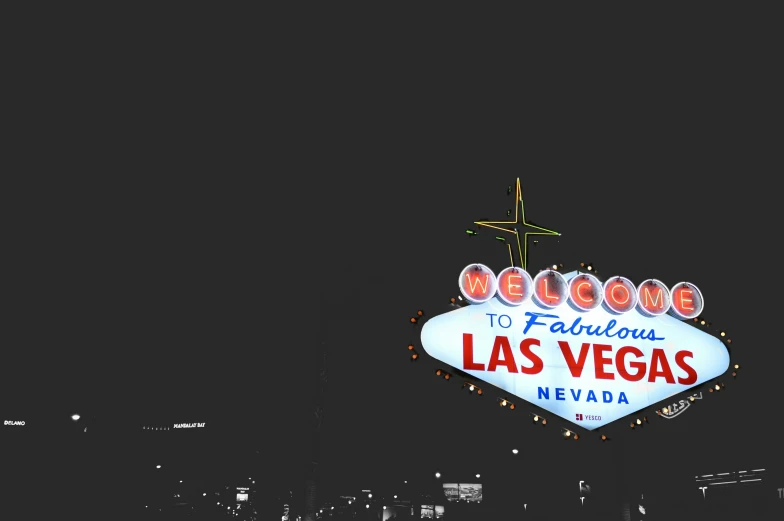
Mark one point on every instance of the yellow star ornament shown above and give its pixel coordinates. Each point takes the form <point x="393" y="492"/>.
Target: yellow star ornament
<point x="519" y="220"/>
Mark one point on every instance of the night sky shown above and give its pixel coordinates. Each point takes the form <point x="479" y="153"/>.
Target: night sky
<point x="200" y="275"/>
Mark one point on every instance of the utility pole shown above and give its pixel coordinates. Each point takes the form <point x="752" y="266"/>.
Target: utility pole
<point x="311" y="473"/>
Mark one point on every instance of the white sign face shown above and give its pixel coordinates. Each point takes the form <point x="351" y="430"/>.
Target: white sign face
<point x="15" y="423"/>
<point x="588" y="367"/>
<point x="188" y="425"/>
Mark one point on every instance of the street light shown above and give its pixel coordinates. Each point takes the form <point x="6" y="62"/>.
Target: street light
<point x="75" y="417"/>
<point x="157" y="466"/>
<point x="477" y="475"/>
<point x="438" y="474"/>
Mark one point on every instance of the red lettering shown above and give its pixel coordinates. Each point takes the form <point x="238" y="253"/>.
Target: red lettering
<point x="650" y="301"/>
<point x="509" y="285"/>
<point x="502" y="343"/>
<point x="620" y="364"/>
<point x="575" y="367"/>
<point x="468" y="354"/>
<point x="546" y="293"/>
<point x="684" y="296"/>
<point x="692" y="374"/>
<point x="599" y="361"/>
<point x="473" y="283"/>
<point x="625" y="297"/>
<point x="658" y="359"/>
<point x="525" y="348"/>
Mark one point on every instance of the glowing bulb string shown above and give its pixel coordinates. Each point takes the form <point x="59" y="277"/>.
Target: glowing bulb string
<point x="415" y="355"/>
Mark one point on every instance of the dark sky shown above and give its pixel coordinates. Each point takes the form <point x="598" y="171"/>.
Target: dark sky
<point x="167" y="262"/>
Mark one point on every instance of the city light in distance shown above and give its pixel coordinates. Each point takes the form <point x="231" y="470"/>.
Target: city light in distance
<point x="477" y="475"/>
<point x="157" y="466"/>
<point x="75" y="417"/>
<point x="438" y="474"/>
<point x="395" y="496"/>
<point x="367" y="506"/>
<point x="514" y="451"/>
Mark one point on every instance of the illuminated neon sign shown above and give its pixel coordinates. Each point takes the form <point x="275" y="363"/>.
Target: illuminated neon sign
<point x="590" y="352"/>
<point x="15" y="423"/>
<point x="584" y="292"/>
<point x="188" y="425"/>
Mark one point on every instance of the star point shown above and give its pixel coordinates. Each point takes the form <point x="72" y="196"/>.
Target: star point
<point x="522" y="250"/>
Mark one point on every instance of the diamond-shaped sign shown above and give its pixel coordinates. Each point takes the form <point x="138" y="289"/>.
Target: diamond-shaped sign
<point x="588" y="367"/>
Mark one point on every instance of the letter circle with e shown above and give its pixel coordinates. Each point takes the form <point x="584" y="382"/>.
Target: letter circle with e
<point x="550" y="288"/>
<point x="620" y="295"/>
<point x="653" y="298"/>
<point x="687" y="302"/>
<point x="477" y="283"/>
<point x="586" y="292"/>
<point x="514" y="286"/>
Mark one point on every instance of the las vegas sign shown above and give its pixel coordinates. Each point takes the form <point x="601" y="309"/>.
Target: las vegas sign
<point x="587" y="351"/>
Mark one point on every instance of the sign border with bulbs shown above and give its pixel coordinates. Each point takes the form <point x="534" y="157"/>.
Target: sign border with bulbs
<point x="514" y="288"/>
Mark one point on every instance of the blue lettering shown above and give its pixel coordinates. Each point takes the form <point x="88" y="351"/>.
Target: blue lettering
<point x="622" y="398"/>
<point x="593" y="330"/>
<point x="558" y="327"/>
<point x="508" y="318"/>
<point x="606" y="332"/>
<point x="544" y="393"/>
<point x="491" y="315"/>
<point x="559" y="393"/>
<point x="532" y="316"/>
<point x="576" y="396"/>
<point x="575" y="324"/>
<point x="607" y="396"/>
<point x="591" y="397"/>
<point x="576" y="328"/>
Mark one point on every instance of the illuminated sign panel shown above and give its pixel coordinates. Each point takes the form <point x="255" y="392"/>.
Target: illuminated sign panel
<point x="13" y="423"/>
<point x="188" y="425"/>
<point x="471" y="492"/>
<point x="589" y="352"/>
